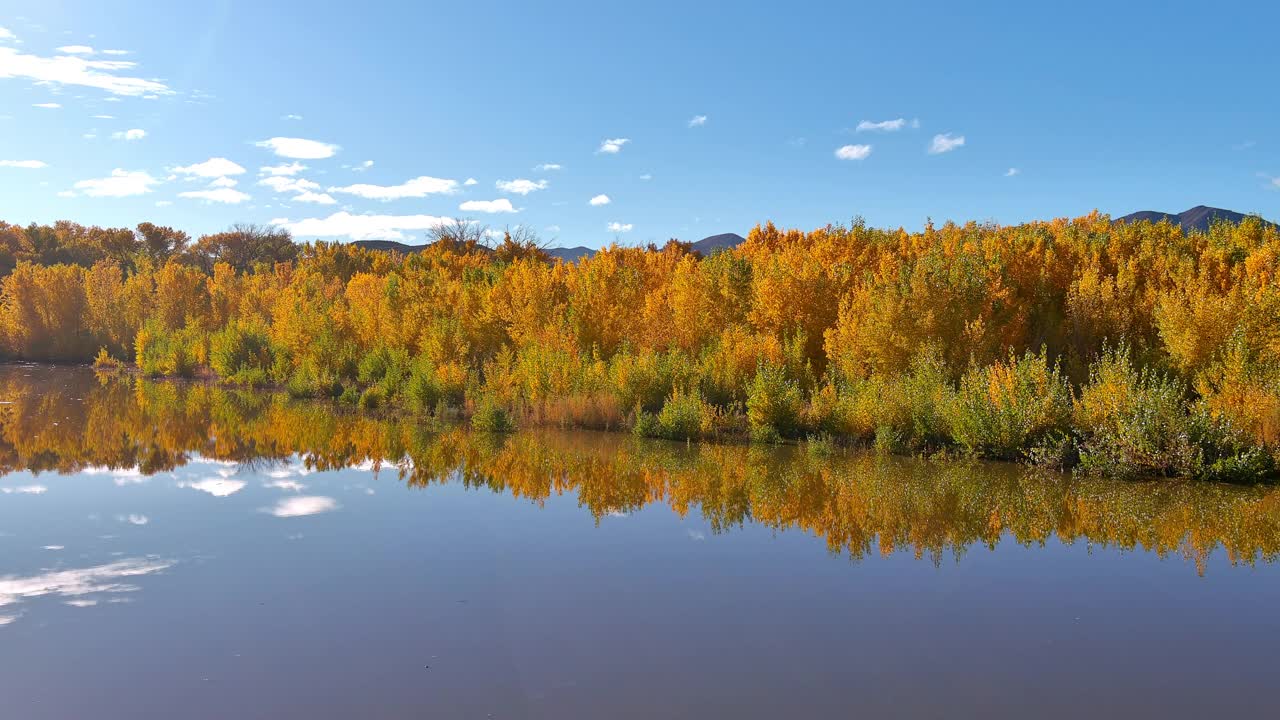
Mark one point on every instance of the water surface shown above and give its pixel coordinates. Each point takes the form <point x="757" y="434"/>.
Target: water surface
<point x="180" y="550"/>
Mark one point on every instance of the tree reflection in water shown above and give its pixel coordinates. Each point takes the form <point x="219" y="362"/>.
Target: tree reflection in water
<point x="70" y="420"/>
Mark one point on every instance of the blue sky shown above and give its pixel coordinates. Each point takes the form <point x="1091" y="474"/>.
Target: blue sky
<point x="394" y="108"/>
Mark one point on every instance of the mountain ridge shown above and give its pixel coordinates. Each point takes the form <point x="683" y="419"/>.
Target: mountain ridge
<point x="1198" y="218"/>
<point x="706" y="246"/>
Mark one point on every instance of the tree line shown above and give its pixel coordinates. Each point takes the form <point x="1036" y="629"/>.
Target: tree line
<point x="1123" y="348"/>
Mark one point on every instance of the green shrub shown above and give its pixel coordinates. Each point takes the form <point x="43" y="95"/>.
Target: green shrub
<point x="241" y="353"/>
<point x="161" y="351"/>
<point x="1006" y="408"/>
<point x="646" y="425"/>
<point x="647" y="379"/>
<point x="1228" y="454"/>
<point x="684" y="416"/>
<point x="489" y="416"/>
<point x="901" y="413"/>
<point x="308" y="381"/>
<point x="1134" y="422"/>
<point x="774" y="404"/>
<point x="386" y="368"/>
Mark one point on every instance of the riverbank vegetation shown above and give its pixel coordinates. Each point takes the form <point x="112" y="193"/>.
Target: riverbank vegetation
<point x="1122" y="349"/>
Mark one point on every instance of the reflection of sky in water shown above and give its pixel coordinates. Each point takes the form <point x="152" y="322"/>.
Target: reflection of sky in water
<point x="566" y="575"/>
<point x="215" y="590"/>
<point x="75" y="583"/>
<point x="305" y="505"/>
<point x="25" y="490"/>
<point x="72" y="503"/>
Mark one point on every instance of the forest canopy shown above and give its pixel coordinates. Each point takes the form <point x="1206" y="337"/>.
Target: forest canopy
<point x="1134" y="348"/>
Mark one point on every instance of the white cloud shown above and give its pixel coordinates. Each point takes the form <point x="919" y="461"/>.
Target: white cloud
<point x="548" y="166"/>
<point x="945" y="143"/>
<point x="613" y="146"/>
<point x="315" y="197"/>
<point x="299" y="148"/>
<point x="224" y="195"/>
<point x="133" y="134"/>
<point x="115" y="52"/>
<point x="211" y="168"/>
<point x="1011" y="172"/>
<point x="285" y="484"/>
<point x="303" y="505"/>
<point x="163" y="203"/>
<point x="617" y="227"/>
<point x="470" y="181"/>
<point x="415" y="188"/>
<point x="292" y="168"/>
<point x="501" y="205"/>
<point x="76" y="50"/>
<point x="217" y="487"/>
<point x="599" y="200"/>
<point x="72" y="70"/>
<point x="121" y="183"/>
<point x="291" y="117"/>
<point x="225" y="182"/>
<point x="882" y="126"/>
<point x="6" y="34"/>
<point x="853" y="152"/>
<point x="54" y="548"/>
<point x="553" y="228"/>
<point x="67" y="194"/>
<point x="134" y="519"/>
<point x="646" y="176"/>
<point x="282" y="184"/>
<point x="104" y="117"/>
<point x="47" y="105"/>
<point x="520" y="186"/>
<point x="698" y="121"/>
<point x="28" y="164"/>
<point x="361" y="227"/>
<point x="364" y="165"/>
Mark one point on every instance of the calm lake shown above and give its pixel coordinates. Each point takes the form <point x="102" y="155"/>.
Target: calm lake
<point x="172" y="550"/>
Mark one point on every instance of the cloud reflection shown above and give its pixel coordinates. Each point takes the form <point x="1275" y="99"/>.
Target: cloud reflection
<point x="25" y="490"/>
<point x="120" y="476"/>
<point x="303" y="505"/>
<point x="77" y="583"/>
<point x="217" y="487"/>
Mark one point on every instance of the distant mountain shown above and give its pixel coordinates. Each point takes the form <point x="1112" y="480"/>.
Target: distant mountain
<point x="573" y="254"/>
<point x="723" y="241"/>
<point x="1199" y="217"/>
<point x="706" y="246"/>
<point x="388" y="246"/>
